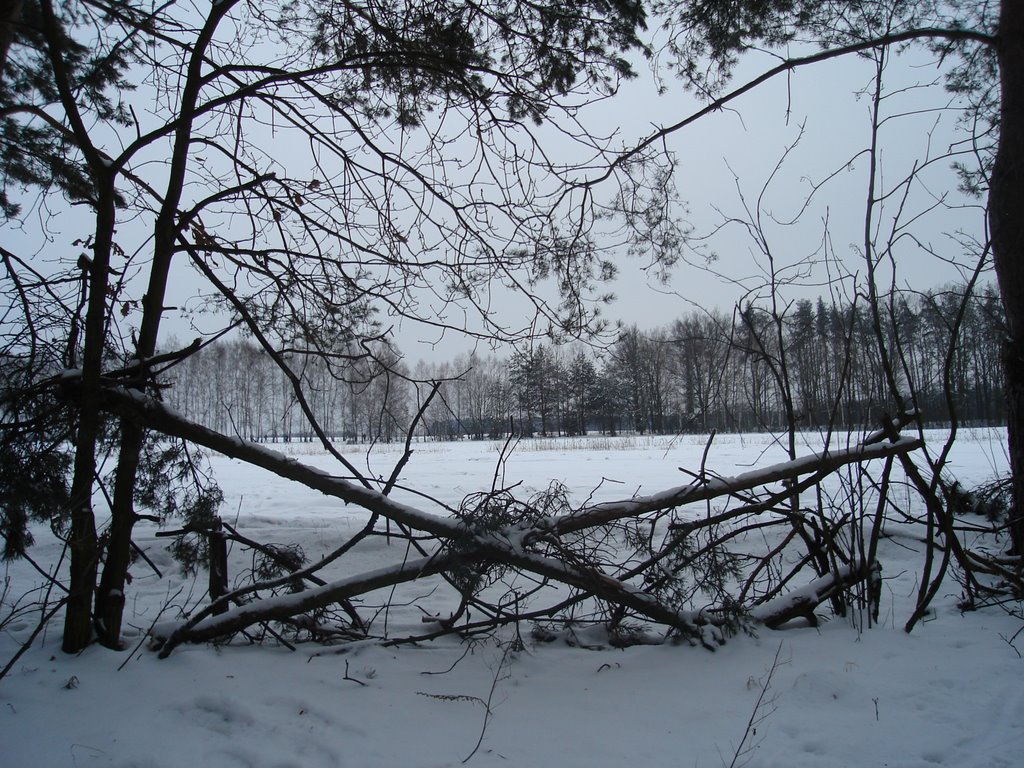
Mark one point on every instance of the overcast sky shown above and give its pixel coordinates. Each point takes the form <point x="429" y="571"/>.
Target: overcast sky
<point x="822" y="107"/>
<point x="745" y="141"/>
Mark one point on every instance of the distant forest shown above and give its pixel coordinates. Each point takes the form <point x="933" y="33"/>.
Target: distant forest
<point x="807" y="363"/>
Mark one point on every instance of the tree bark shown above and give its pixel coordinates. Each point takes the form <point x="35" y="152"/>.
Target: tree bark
<point x="1006" y="222"/>
<point x="802" y="602"/>
<point x="10" y="17"/>
<point x="110" y="593"/>
<point x="82" y="540"/>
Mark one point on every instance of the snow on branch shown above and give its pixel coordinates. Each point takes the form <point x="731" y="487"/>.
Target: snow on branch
<point x="662" y="579"/>
<point x="704" y="490"/>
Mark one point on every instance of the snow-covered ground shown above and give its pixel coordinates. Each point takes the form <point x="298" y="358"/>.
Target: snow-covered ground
<point x="951" y="693"/>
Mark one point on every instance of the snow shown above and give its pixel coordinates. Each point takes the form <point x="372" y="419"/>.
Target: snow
<point x="950" y="693"/>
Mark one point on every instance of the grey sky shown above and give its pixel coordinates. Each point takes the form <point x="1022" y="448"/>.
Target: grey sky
<point x="736" y="151"/>
<point x="745" y="141"/>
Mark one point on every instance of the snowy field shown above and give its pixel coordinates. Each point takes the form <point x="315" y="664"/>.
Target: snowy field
<point x="949" y="694"/>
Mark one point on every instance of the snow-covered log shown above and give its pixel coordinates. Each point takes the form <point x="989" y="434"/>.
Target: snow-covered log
<point x="703" y="490"/>
<point x="550" y="547"/>
<point x="803" y="601"/>
<point x="157" y="416"/>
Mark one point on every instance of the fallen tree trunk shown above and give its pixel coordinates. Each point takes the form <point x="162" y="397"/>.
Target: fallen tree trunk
<point x="802" y="602"/>
<point x="209" y="625"/>
<point x="156" y="416"/>
<point x="553" y="548"/>
<point x="817" y="464"/>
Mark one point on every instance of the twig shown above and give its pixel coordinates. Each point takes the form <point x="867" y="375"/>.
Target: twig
<point x="353" y="679"/>
<point x="141" y="553"/>
<point x="755" y="715"/>
<point x="455" y="663"/>
<point x="407" y="453"/>
<point x="35" y="633"/>
<point x="146" y="634"/>
<point x="487" y="705"/>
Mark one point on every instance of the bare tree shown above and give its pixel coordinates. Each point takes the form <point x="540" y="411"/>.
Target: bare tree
<point x="707" y="38"/>
<point x="413" y="186"/>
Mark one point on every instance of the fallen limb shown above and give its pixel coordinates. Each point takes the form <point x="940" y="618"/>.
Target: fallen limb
<point x="156" y="416"/>
<point x="803" y="601"/>
<point x="204" y="626"/>
<point x="519" y="538"/>
<point x="705" y="490"/>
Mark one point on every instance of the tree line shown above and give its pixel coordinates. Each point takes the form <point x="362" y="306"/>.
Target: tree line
<point x="813" y="364"/>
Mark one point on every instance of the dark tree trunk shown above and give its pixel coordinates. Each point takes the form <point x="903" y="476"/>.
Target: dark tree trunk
<point x="110" y="594"/>
<point x="1006" y="220"/>
<point x="82" y="540"/>
<point x="10" y="16"/>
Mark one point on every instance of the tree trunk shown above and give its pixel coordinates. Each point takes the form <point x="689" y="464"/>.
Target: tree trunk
<point x="10" y="17"/>
<point x="1006" y="221"/>
<point x="82" y="540"/>
<point x="110" y="594"/>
